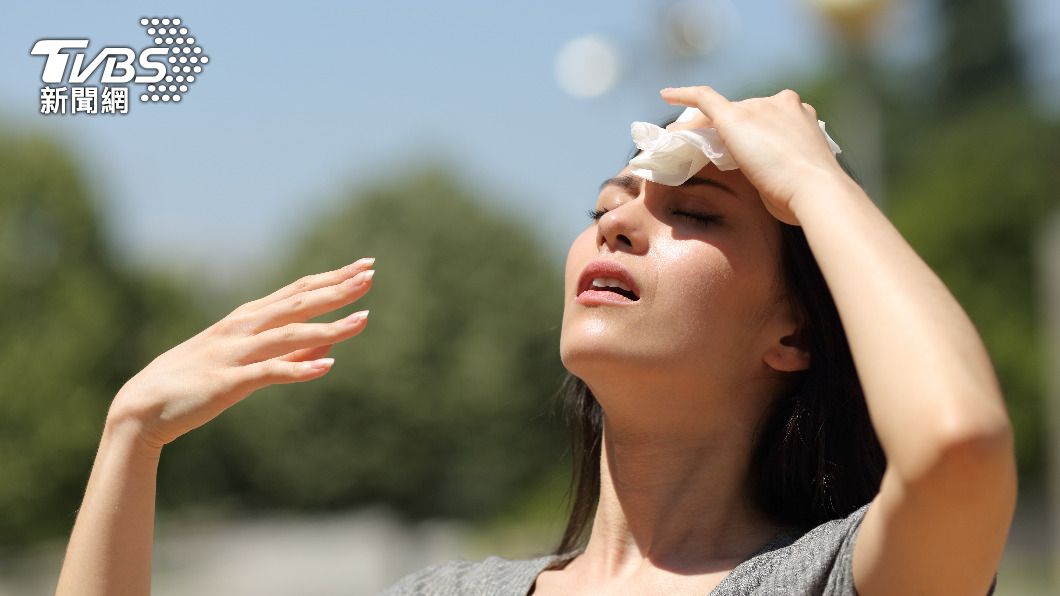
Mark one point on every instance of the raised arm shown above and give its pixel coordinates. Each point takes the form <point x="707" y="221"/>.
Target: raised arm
<point x="940" y="521"/>
<point x="261" y="343"/>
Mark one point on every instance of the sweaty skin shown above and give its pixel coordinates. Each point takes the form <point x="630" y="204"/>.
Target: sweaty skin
<point x="683" y="373"/>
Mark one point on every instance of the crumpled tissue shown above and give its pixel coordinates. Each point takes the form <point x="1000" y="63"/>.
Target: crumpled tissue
<point x="672" y="157"/>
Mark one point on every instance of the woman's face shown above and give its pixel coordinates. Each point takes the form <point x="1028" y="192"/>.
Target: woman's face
<point x="703" y="257"/>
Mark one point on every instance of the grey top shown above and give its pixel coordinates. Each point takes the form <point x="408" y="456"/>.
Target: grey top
<point x="817" y="562"/>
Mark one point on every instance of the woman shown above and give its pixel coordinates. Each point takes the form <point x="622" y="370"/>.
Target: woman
<point x="690" y="358"/>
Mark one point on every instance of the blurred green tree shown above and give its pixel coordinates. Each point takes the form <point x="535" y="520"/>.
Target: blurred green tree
<point x="977" y="52"/>
<point x="442" y="406"/>
<point x="76" y="327"/>
<point x="971" y="173"/>
<point x="972" y="180"/>
<point x="971" y="201"/>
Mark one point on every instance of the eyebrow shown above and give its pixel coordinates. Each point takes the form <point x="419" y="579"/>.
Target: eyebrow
<point x="632" y="183"/>
<point x="628" y="183"/>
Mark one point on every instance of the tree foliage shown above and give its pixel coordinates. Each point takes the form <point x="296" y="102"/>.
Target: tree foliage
<point x="75" y="328"/>
<point x="970" y="176"/>
<point x="442" y="405"/>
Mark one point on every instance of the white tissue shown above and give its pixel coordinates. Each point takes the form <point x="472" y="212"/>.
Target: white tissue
<point x="672" y="157"/>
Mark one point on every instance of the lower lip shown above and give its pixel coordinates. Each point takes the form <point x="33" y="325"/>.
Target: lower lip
<point x="599" y="297"/>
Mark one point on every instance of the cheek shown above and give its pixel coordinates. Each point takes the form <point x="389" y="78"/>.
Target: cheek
<point x="699" y="277"/>
<point x="699" y="300"/>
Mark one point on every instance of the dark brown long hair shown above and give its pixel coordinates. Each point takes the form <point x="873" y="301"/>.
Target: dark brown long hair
<point x="816" y="456"/>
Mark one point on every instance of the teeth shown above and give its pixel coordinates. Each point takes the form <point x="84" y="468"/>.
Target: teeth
<point x="607" y="282"/>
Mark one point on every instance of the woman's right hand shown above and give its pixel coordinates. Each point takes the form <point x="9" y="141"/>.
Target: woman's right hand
<point x="261" y="343"/>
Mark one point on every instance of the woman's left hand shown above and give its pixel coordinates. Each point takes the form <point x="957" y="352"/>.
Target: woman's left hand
<point x="775" y="140"/>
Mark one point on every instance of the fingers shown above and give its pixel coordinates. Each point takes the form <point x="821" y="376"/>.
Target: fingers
<point x="709" y="101"/>
<point x="712" y="103"/>
<point x="312" y="303"/>
<point x="302" y="364"/>
<point x="298" y="336"/>
<point x="791" y="99"/>
<point x="251" y="377"/>
<point x="789" y="95"/>
<point x="310" y="282"/>
<point x="308" y="353"/>
<point x="699" y="121"/>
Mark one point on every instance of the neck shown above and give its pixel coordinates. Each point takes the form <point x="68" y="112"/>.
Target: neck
<point x="675" y="501"/>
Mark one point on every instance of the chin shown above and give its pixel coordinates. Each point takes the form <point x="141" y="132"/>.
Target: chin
<point x="588" y="356"/>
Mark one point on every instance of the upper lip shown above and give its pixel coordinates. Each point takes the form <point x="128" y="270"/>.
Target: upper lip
<point x="606" y="268"/>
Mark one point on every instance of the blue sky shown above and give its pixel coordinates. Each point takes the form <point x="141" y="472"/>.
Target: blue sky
<point x="303" y="101"/>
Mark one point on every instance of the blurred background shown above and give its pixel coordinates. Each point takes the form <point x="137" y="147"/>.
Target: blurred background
<point x="457" y="143"/>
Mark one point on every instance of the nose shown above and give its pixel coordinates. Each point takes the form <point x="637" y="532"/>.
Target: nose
<point x="624" y="228"/>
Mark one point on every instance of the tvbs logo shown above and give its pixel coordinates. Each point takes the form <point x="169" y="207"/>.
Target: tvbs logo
<point x="166" y="69"/>
<point x="118" y="60"/>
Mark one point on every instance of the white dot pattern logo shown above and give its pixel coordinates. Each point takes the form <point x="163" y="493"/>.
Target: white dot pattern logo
<point x="168" y="33"/>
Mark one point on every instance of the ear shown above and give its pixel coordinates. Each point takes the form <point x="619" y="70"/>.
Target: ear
<point x="788" y="353"/>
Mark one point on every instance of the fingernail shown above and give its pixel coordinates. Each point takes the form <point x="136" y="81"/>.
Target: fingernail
<point x="359" y="263"/>
<point x="665" y="89"/>
<point x="321" y="363"/>
<point x="360" y="279"/>
<point x="355" y="318"/>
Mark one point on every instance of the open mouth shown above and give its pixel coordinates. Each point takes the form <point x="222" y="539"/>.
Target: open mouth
<point x="605" y="284"/>
<point x="607" y="281"/>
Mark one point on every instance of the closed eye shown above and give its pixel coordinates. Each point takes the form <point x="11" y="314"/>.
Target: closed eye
<point x="695" y="218"/>
<point x="595" y="214"/>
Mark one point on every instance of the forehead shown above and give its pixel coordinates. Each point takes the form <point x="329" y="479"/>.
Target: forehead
<point x="732" y="179"/>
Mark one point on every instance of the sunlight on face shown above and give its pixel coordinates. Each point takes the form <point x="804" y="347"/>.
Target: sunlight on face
<point x="704" y="259"/>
